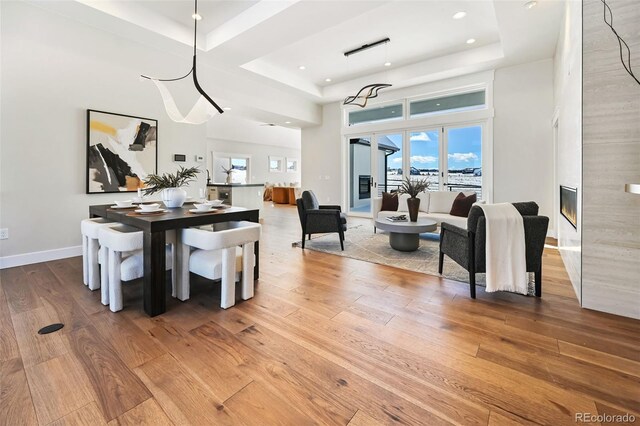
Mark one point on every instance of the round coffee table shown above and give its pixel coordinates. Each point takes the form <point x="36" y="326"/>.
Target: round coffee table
<point x="404" y="236"/>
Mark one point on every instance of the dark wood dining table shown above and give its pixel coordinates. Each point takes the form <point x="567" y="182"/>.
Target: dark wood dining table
<point x="154" y="228"/>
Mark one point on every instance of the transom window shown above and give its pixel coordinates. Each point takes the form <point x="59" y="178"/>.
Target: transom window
<point x="372" y="115"/>
<point x="459" y="102"/>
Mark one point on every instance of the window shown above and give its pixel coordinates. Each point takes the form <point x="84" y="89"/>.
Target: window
<point x="239" y="167"/>
<point x="451" y="103"/>
<point x="371" y="115"/>
<point x="292" y="165"/>
<point x="276" y="164"/>
<point x="389" y="162"/>
<point x="425" y="157"/>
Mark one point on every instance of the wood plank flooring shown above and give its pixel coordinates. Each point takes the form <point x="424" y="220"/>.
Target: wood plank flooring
<point x="326" y="340"/>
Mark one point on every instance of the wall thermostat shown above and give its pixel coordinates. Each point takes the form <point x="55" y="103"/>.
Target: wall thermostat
<point x="179" y="158"/>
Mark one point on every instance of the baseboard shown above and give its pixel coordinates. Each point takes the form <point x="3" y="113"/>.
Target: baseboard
<point x="39" y="256"/>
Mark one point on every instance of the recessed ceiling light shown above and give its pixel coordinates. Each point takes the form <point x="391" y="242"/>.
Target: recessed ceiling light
<point x="328" y="80"/>
<point x="302" y="67"/>
<point x="227" y="108"/>
<point x="471" y="41"/>
<point x="459" y="15"/>
<point x="196" y="16"/>
<point x="387" y="64"/>
<point x="437" y="104"/>
<point x="287" y="122"/>
<point x="530" y="4"/>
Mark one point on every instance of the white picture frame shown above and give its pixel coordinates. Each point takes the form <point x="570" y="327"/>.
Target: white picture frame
<point x="276" y="164"/>
<point x="292" y="165"/>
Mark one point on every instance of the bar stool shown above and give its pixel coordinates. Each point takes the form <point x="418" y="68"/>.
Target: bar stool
<point x="90" y="270"/>
<point x="217" y="256"/>
<point x="122" y="259"/>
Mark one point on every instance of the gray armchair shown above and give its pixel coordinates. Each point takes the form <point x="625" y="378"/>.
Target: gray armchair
<point x="317" y="219"/>
<point x="466" y="247"/>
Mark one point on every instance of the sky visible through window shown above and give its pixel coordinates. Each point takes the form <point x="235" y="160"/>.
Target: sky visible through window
<point x="464" y="156"/>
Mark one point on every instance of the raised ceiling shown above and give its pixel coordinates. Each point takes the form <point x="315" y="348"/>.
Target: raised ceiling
<point x="264" y="42"/>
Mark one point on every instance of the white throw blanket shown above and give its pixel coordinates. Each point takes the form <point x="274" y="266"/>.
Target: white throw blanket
<point x="506" y="250"/>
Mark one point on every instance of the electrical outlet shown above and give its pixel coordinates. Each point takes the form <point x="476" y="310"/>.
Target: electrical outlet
<point x="4" y="234"/>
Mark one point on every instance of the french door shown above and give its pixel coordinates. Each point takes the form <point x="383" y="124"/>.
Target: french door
<point x="448" y="157"/>
<point x="375" y="165"/>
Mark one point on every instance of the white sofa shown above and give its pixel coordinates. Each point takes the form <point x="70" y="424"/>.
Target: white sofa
<point x="434" y="205"/>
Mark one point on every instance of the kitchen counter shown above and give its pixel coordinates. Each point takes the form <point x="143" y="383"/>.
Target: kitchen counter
<point x="226" y="185"/>
<point x="247" y="195"/>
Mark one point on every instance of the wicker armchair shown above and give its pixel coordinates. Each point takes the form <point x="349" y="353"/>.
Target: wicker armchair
<point x="467" y="246"/>
<point x="317" y="219"/>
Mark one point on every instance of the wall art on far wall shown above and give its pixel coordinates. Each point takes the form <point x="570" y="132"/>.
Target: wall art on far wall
<point x="121" y="151"/>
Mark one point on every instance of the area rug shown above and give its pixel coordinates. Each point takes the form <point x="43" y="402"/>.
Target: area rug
<point x="361" y="243"/>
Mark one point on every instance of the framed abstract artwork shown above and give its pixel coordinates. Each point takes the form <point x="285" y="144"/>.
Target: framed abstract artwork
<point x="121" y="151"/>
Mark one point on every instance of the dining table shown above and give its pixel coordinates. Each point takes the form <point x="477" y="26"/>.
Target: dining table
<point x="154" y="227"/>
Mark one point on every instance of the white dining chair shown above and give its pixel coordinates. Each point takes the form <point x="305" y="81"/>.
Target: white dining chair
<point x="90" y="245"/>
<point x="122" y="259"/>
<point x="221" y="253"/>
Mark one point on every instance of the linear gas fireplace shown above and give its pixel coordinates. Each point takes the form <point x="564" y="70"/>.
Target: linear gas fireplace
<point x="364" y="187"/>
<point x="569" y="204"/>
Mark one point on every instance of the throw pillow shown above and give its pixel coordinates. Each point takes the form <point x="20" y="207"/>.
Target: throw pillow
<point x="402" y="203"/>
<point x="441" y="201"/>
<point x="389" y="202"/>
<point x="424" y="202"/>
<point x="462" y="204"/>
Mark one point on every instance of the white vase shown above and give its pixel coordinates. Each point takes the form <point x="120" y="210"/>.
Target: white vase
<point x="174" y="197"/>
<point x="228" y="178"/>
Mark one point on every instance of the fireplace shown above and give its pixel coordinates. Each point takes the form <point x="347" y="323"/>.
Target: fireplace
<point x="569" y="204"/>
<point x="364" y="187"/>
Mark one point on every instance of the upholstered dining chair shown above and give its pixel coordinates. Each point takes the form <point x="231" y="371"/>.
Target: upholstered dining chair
<point x="466" y="247"/>
<point x="317" y="219"/>
<point x="122" y="260"/>
<point x="225" y="253"/>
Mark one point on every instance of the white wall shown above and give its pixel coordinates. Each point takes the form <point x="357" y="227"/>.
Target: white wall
<point x="522" y="135"/>
<point x="322" y="157"/>
<point x="53" y="70"/>
<point x="568" y="111"/>
<point x="522" y="138"/>
<point x="259" y="159"/>
<point x="231" y="134"/>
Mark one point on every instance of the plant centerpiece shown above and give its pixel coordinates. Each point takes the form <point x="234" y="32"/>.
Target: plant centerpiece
<point x="412" y="188"/>
<point x="228" y="172"/>
<point x="171" y="185"/>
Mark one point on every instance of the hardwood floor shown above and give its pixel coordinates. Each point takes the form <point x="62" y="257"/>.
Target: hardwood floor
<point x="325" y="340"/>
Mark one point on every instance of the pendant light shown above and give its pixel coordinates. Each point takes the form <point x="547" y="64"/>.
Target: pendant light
<point x="205" y="107"/>
<point x="371" y="90"/>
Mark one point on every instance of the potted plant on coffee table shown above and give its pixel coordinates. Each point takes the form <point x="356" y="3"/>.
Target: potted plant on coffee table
<point x="171" y="185"/>
<point x="412" y="188"/>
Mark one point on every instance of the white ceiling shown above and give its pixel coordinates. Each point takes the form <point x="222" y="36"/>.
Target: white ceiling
<point x="418" y="31"/>
<point x="214" y="13"/>
<point x="261" y="43"/>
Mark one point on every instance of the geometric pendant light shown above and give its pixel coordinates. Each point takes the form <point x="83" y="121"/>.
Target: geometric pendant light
<point x="205" y="108"/>
<point x="371" y="90"/>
